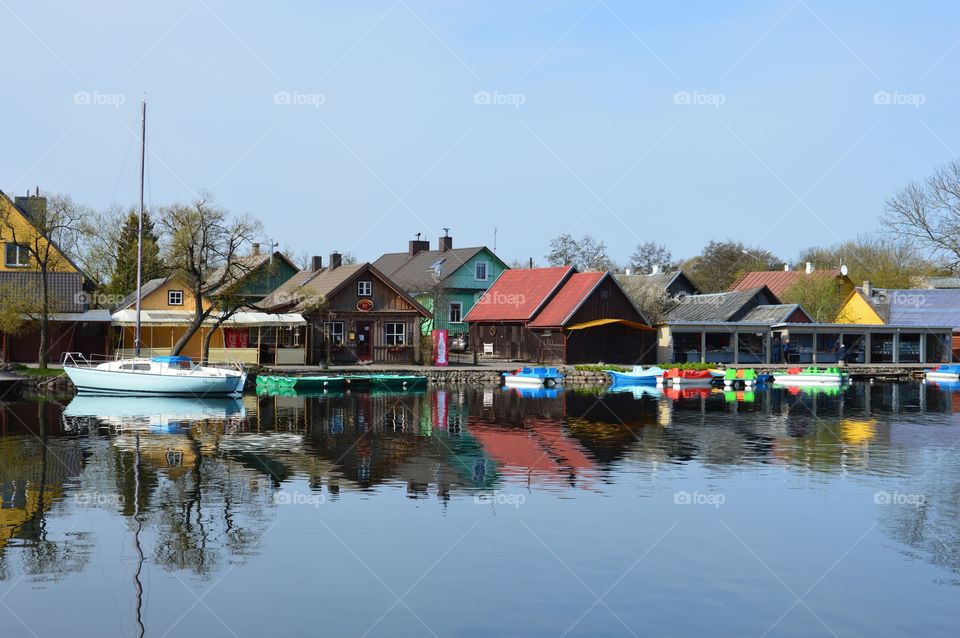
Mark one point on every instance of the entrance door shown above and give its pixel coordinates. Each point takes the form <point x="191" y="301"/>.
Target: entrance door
<point x="364" y="340"/>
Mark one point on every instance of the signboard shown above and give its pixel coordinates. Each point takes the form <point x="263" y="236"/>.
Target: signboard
<point x="365" y="304"/>
<point x="440" y="357"/>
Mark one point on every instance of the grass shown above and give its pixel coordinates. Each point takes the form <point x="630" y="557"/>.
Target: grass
<point x="47" y="373"/>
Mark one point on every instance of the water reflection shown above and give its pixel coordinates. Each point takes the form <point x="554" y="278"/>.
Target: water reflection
<point x="195" y="483"/>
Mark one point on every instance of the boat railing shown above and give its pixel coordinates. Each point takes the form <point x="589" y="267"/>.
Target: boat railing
<point x="81" y="360"/>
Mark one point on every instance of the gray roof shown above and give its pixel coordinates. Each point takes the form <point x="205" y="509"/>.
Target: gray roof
<point x="719" y="306"/>
<point x="943" y="282"/>
<point x="771" y="314"/>
<point x="919" y="306"/>
<point x="66" y="289"/>
<point x="145" y="290"/>
<point x="416" y="274"/>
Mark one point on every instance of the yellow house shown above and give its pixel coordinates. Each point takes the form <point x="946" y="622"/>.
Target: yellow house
<point x="168" y="306"/>
<point x="856" y="309"/>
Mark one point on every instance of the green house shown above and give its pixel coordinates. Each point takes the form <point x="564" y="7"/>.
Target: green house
<point x="447" y="281"/>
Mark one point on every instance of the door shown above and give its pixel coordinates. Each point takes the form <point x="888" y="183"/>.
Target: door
<point x="364" y="340"/>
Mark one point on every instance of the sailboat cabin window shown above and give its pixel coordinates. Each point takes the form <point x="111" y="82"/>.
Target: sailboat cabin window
<point x="16" y="255"/>
<point x="174" y="297"/>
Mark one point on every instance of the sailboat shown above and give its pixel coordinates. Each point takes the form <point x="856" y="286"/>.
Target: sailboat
<point x="166" y="375"/>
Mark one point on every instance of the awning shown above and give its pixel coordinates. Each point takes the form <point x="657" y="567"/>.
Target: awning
<point x="128" y="317"/>
<point x="605" y="322"/>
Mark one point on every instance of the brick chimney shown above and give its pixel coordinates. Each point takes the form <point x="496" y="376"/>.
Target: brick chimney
<point x="335" y="260"/>
<point x="34" y="206"/>
<point x="446" y="242"/>
<point x="809" y="267"/>
<point x="418" y="245"/>
<point x="255" y="249"/>
<point x="867" y="290"/>
<point x="316" y="263"/>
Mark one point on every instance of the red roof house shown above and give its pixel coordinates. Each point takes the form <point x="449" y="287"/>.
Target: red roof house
<point x="557" y="315"/>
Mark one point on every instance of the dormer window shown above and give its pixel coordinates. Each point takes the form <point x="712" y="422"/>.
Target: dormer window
<point x="174" y="297"/>
<point x="364" y="288"/>
<point x="16" y="255"/>
<point x="480" y="271"/>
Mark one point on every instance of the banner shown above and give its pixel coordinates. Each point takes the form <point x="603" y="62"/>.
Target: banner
<point x="440" y="348"/>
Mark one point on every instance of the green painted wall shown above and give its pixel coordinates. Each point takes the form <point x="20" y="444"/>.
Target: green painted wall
<point x="463" y="287"/>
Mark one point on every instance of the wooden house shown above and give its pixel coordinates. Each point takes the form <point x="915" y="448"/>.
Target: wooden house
<point x="447" y="281"/>
<point x="248" y="336"/>
<point x="557" y="315"/>
<point x="74" y="327"/>
<point x="355" y="313"/>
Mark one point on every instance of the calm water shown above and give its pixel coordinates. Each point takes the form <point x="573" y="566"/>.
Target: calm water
<point x="482" y="512"/>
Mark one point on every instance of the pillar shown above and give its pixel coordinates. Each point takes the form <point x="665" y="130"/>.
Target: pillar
<point x="923" y="347"/>
<point x="896" y="347"/>
<point x="703" y="346"/>
<point x="867" y="347"/>
<point x="736" y="348"/>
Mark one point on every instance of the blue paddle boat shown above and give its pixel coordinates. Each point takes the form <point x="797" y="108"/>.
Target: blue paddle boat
<point x="533" y="377"/>
<point x="637" y="376"/>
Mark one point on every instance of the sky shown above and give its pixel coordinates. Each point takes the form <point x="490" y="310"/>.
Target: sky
<point x="352" y="126"/>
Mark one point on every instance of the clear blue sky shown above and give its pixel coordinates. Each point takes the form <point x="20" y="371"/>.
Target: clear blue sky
<point x="783" y="143"/>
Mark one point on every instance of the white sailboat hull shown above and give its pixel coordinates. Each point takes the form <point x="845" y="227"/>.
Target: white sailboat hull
<point x="115" y="382"/>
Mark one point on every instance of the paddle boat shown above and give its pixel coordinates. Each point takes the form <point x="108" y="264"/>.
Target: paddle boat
<point x="811" y="376"/>
<point x="746" y="378"/>
<point x="637" y="376"/>
<point x="945" y="372"/>
<point x="686" y="378"/>
<point x="532" y="377"/>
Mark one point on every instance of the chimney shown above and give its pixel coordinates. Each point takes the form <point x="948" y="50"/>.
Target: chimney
<point x="446" y="242"/>
<point x="316" y="263"/>
<point x="34" y="206"/>
<point x="786" y="268"/>
<point x="255" y="249"/>
<point x="867" y="289"/>
<point x="655" y="269"/>
<point x="628" y="271"/>
<point x="335" y="260"/>
<point x="809" y="267"/>
<point x="418" y="246"/>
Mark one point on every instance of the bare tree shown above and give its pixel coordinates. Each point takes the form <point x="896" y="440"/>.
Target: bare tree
<point x="204" y="249"/>
<point x="928" y="212"/>
<point x="51" y="226"/>
<point x="649" y="254"/>
<point x="584" y="254"/>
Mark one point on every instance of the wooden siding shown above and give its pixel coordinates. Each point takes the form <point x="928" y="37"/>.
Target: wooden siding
<point x="157" y="300"/>
<point x="606" y="301"/>
<point x="381" y="353"/>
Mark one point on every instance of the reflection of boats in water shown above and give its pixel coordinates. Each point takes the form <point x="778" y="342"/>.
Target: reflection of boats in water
<point x="153" y="413"/>
<point x="263" y="442"/>
<point x="534" y="392"/>
<point x="687" y="393"/>
<point x="638" y="391"/>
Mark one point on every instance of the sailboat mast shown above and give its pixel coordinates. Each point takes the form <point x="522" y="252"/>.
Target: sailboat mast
<point x="143" y="154"/>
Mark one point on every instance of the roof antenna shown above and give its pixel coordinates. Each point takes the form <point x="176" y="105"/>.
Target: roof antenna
<point x="446" y="232"/>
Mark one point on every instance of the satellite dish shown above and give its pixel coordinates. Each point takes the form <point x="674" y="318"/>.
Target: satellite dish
<point x="844" y="270"/>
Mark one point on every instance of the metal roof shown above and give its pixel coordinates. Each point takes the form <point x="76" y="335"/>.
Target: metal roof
<point x="574" y="292"/>
<point x="918" y="306"/>
<point x="417" y="273"/>
<point x="718" y="306"/>
<point x="774" y="313"/>
<point x="518" y="294"/>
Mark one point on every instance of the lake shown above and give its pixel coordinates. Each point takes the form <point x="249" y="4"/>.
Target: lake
<point x="484" y="512"/>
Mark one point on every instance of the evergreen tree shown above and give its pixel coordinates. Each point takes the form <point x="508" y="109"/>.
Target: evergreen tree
<point x="123" y="279"/>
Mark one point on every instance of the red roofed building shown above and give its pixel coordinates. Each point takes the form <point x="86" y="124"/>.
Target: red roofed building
<point x="557" y="315"/>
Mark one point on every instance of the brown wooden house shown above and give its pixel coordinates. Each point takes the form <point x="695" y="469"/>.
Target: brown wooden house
<point x="557" y="315"/>
<point x="355" y="314"/>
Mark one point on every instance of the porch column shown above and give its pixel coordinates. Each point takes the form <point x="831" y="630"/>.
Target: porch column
<point x="813" y="350"/>
<point x="923" y="349"/>
<point x="768" y="346"/>
<point x="896" y="348"/>
<point x="703" y="346"/>
<point x="867" y="347"/>
<point x="736" y="347"/>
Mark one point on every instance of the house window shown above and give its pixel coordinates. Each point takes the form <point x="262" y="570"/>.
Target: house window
<point x="17" y="255"/>
<point x="335" y="330"/>
<point x="456" y="312"/>
<point x="395" y="334"/>
<point x="480" y="271"/>
<point x="364" y="288"/>
<point x="174" y="297"/>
